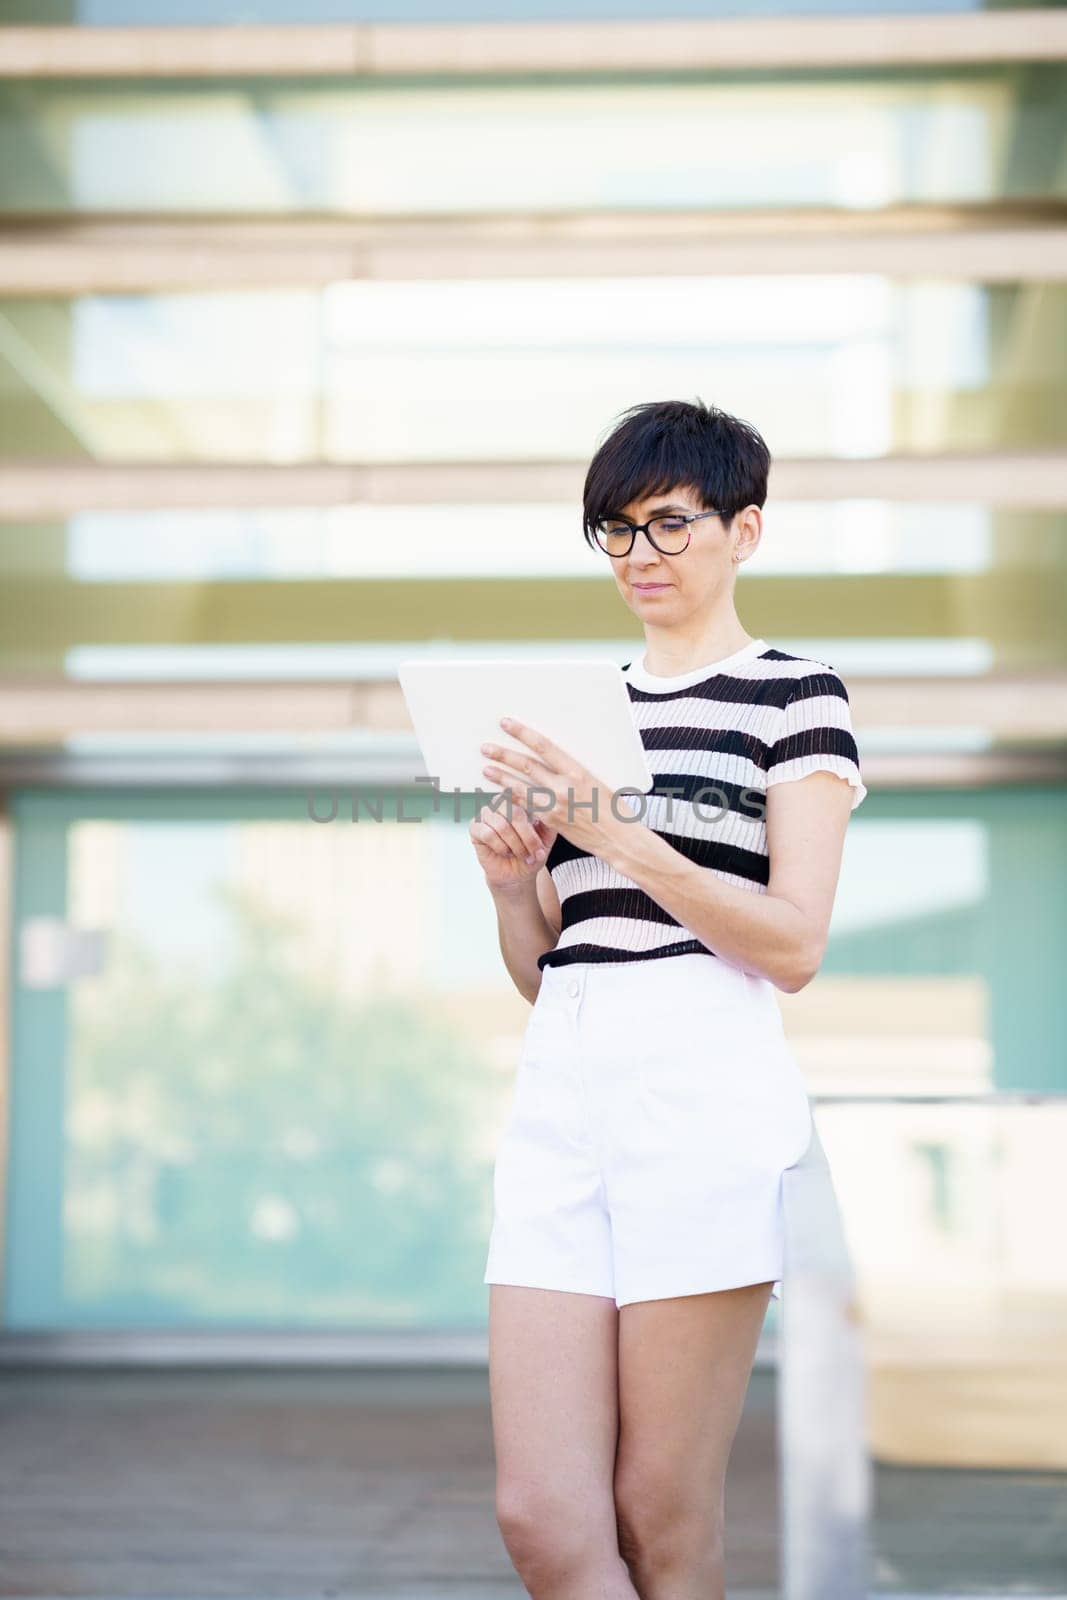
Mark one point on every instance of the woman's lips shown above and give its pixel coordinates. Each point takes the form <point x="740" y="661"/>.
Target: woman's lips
<point x="650" y="588"/>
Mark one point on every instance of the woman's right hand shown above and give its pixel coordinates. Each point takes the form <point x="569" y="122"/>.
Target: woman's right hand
<point x="502" y="845"/>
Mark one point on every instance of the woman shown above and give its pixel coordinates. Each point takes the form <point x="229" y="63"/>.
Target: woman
<point x="638" y="1231"/>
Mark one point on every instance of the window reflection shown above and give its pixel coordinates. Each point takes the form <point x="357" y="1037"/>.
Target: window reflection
<point x="277" y="1107"/>
<point x="846" y="366"/>
<point x="506" y="540"/>
<point x="773" y="139"/>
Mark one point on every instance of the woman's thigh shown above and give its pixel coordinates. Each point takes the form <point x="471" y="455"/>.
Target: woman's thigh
<point x="553" y="1385"/>
<point x="684" y="1366"/>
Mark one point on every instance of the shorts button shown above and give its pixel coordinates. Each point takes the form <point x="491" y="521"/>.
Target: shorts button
<point x="572" y="987"/>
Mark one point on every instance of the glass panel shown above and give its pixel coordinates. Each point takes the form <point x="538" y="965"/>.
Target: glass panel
<point x="962" y="1293"/>
<point x="349" y="591"/>
<point x="827" y="366"/>
<point x="845" y="138"/>
<point x="271" y="1106"/>
<point x="928" y="987"/>
<point x="517" y="539"/>
<point x="277" y="1102"/>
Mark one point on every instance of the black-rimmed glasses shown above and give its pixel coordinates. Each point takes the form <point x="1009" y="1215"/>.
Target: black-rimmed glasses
<point x="669" y="533"/>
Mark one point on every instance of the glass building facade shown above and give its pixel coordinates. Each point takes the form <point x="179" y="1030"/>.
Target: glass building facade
<point x="300" y="369"/>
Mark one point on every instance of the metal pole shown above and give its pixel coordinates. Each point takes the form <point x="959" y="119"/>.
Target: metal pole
<point x="824" y="1471"/>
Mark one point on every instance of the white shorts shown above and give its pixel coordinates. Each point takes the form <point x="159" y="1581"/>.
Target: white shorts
<point x="656" y="1105"/>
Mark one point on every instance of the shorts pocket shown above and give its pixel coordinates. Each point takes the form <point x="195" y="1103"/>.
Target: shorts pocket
<point x="526" y="1083"/>
<point x="700" y="1042"/>
<point x="537" y="1037"/>
<point x="739" y="1105"/>
<point x="696" y="1082"/>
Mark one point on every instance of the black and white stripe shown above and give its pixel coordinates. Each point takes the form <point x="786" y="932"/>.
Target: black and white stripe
<point x="716" y="742"/>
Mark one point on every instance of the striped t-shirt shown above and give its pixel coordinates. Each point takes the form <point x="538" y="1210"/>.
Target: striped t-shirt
<point x="717" y="737"/>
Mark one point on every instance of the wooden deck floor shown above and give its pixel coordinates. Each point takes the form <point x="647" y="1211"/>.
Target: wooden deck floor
<point x="281" y="1484"/>
<point x="288" y="1483"/>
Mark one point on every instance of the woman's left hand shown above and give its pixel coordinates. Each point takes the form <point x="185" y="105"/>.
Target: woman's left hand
<point x="582" y="806"/>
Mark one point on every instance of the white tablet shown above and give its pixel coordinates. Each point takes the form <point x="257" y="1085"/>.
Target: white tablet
<point x="582" y="706"/>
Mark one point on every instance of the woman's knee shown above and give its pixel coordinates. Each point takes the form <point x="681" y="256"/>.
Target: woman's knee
<point x="668" y="1525"/>
<point x="546" y="1534"/>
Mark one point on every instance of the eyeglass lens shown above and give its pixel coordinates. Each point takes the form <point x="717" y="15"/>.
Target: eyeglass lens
<point x="670" y="535"/>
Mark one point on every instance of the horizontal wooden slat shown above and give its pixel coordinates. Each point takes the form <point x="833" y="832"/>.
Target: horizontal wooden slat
<point x="274" y="230"/>
<point x="1020" y="705"/>
<point x="41" y="491"/>
<point x="86" y="256"/>
<point x="252" y="50"/>
<point x="33" y="712"/>
<point x="1013" y="708"/>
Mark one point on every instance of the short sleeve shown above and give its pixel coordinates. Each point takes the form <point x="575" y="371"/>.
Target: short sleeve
<point x="815" y="733"/>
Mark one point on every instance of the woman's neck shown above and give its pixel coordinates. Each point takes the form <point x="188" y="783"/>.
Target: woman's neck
<point x="666" y="655"/>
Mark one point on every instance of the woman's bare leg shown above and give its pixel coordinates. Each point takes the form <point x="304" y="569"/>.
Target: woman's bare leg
<point x="553" y="1385"/>
<point x="684" y="1366"/>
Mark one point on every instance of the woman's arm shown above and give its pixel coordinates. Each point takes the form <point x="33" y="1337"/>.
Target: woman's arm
<point x="528" y="924"/>
<point x="781" y="935"/>
<point x="812" y="784"/>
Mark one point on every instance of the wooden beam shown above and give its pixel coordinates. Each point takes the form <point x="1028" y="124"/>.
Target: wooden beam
<point x="337" y="50"/>
<point x="83" y="255"/>
<point x="1012" y="707"/>
<point x="49" y="490"/>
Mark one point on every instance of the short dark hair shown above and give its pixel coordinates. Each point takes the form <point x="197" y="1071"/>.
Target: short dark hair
<point x="660" y="445"/>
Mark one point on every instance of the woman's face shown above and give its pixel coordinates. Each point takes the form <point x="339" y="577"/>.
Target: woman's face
<point x="663" y="590"/>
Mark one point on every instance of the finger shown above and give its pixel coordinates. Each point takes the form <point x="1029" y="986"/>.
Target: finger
<point x="512" y="789"/>
<point x="513" y="840"/>
<point x="525" y="842"/>
<point x="486" y="835"/>
<point x="521" y="782"/>
<point x="532" y="768"/>
<point x="525" y="828"/>
<point x="550" y="755"/>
